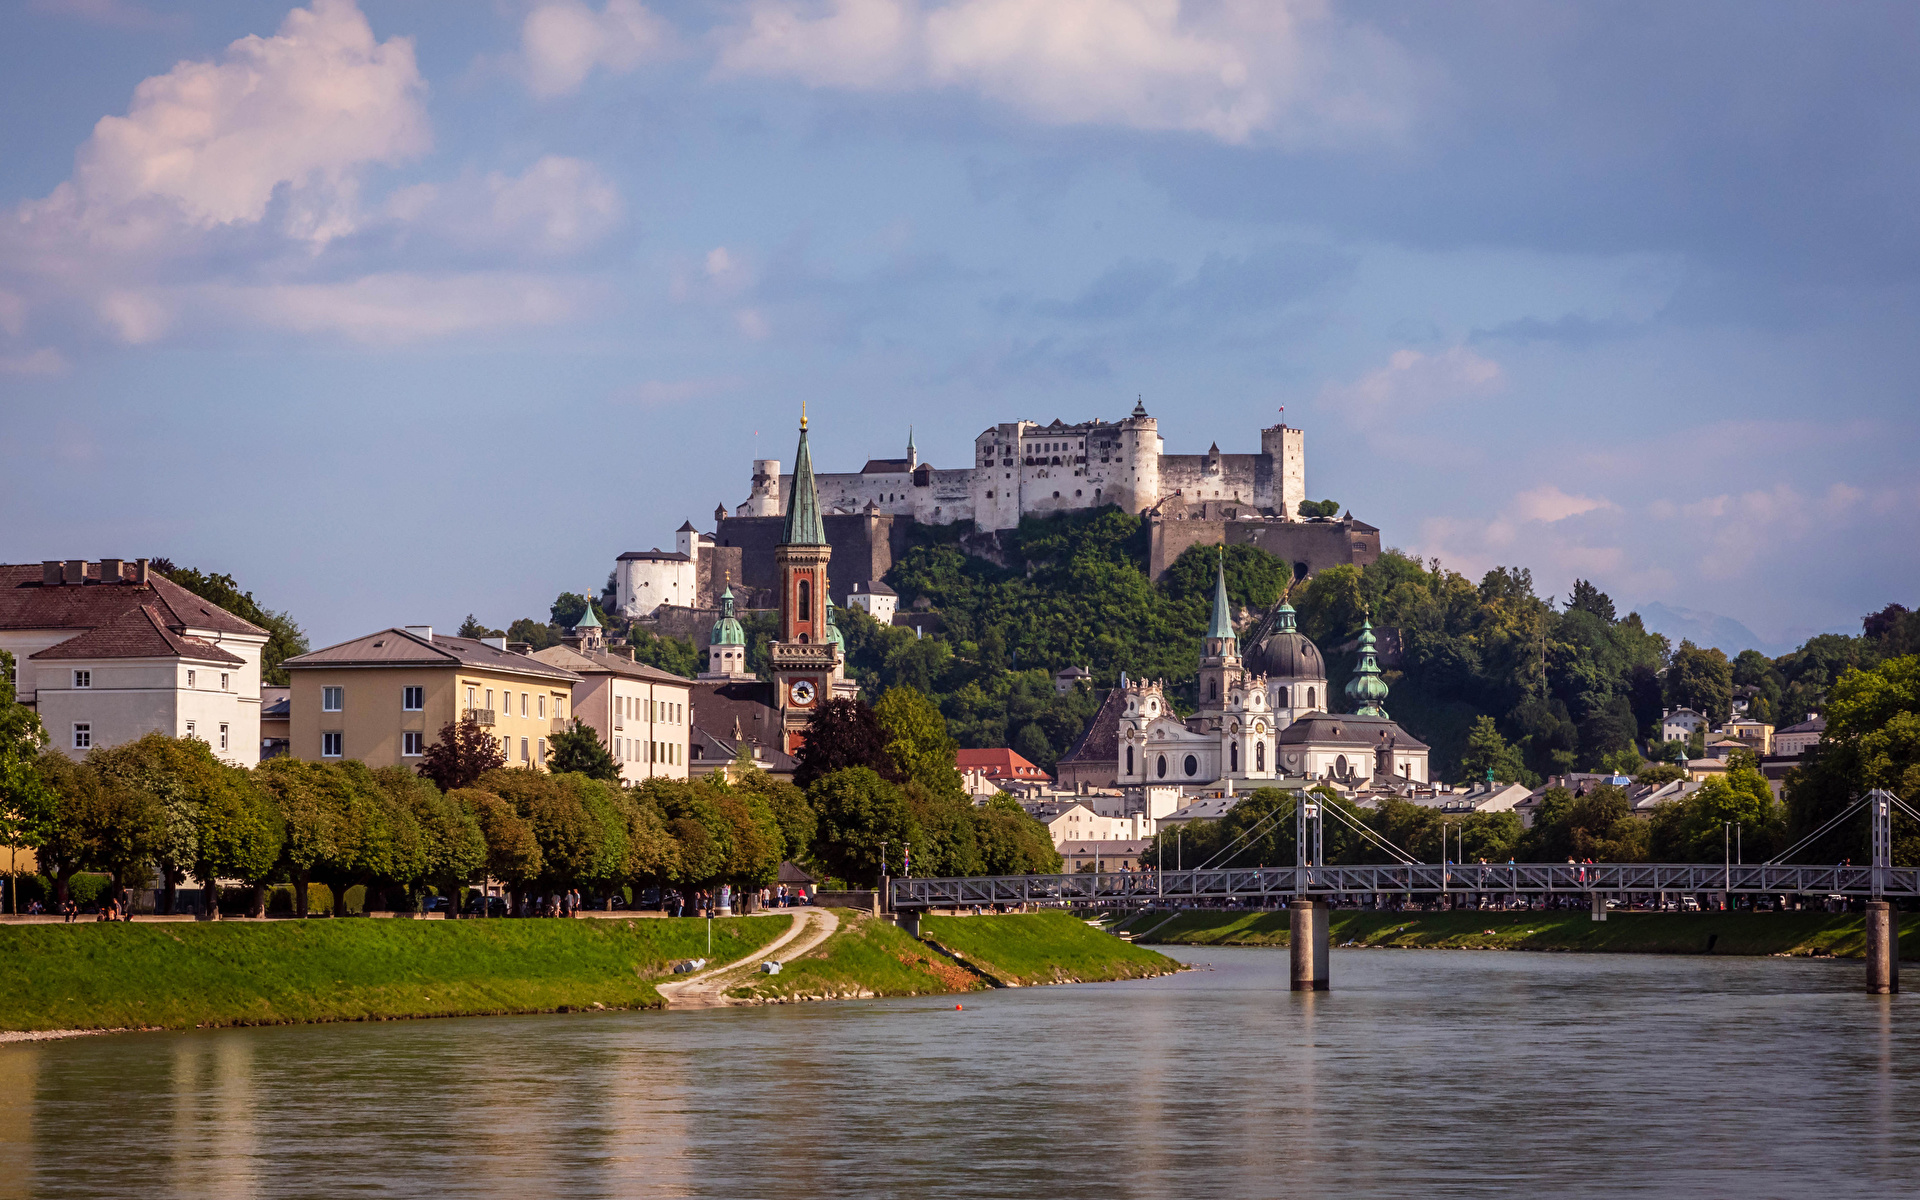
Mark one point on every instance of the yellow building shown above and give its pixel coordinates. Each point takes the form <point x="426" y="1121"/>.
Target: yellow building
<point x="384" y="698"/>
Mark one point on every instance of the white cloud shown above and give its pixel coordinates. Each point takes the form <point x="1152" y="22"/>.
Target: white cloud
<point x="397" y="307"/>
<point x="44" y="361"/>
<point x="557" y="206"/>
<point x="136" y="317"/>
<point x="1232" y="69"/>
<point x="306" y="108"/>
<point x="1548" y="503"/>
<point x="1413" y="380"/>
<point x="562" y="41"/>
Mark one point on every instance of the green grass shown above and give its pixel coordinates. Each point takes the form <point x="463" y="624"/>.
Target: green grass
<point x="1043" y="947"/>
<point x="864" y="957"/>
<point x="1802" y="933"/>
<point x="180" y="975"/>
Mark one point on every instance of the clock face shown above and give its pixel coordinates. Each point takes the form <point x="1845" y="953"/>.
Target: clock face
<point x="802" y="692"/>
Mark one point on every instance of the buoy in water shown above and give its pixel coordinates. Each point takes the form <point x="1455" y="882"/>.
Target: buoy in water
<point x="956" y="1008"/>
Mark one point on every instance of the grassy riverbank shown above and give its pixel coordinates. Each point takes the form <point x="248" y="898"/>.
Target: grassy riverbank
<point x="868" y="957"/>
<point x="120" y="976"/>
<point x="1839" y="934"/>
<point x="1044" y="947"/>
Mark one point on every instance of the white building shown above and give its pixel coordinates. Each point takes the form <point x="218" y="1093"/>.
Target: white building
<point x="643" y="580"/>
<point x="111" y="651"/>
<point x="875" y="599"/>
<point x="1022" y="468"/>
<point x="1794" y="740"/>
<point x="1679" y="724"/>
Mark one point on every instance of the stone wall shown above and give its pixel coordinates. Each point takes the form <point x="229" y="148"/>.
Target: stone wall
<point x="1310" y="545"/>
<point x="864" y="548"/>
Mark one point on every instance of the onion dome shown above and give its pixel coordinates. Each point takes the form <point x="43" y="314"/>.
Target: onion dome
<point x="833" y="626"/>
<point x="1278" y="650"/>
<point x="727" y="630"/>
<point x="1366" y="688"/>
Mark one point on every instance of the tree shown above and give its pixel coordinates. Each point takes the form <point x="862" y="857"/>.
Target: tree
<point x="917" y="741"/>
<point x="512" y="851"/>
<point x="788" y="804"/>
<point x="1625" y="761"/>
<point x="1590" y="599"/>
<point x="472" y="628"/>
<point x="570" y="607"/>
<point x="97" y="825"/>
<point x="26" y="802"/>
<point x="1011" y="842"/>
<point x="535" y="634"/>
<point x="1701" y="679"/>
<point x="183" y="777"/>
<point x="285" y="639"/>
<point x="1694" y="827"/>
<point x="567" y="833"/>
<point x="302" y="794"/>
<point x="1490" y="757"/>
<point x="1872" y="740"/>
<point x="463" y="753"/>
<point x="239" y="837"/>
<point x="1656" y="774"/>
<point x="452" y="845"/>
<point x="843" y="734"/>
<point x="858" y="809"/>
<point x="1319" y="508"/>
<point x="578" y="749"/>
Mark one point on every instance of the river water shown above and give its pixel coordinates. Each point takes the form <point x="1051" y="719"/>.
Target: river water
<point x="1423" y="1074"/>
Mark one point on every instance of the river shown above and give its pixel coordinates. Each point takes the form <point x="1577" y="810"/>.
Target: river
<point x="1423" y="1074"/>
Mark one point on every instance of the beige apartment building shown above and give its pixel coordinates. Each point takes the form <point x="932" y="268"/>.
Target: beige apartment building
<point x="642" y="713"/>
<point x="384" y="698"/>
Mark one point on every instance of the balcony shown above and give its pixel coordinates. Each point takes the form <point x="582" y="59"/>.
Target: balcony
<point x="561" y="724"/>
<point x="479" y="716"/>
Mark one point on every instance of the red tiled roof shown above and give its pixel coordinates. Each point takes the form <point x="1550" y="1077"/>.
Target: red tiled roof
<point x="26" y="603"/>
<point x="139" y="633"/>
<point x="997" y="763"/>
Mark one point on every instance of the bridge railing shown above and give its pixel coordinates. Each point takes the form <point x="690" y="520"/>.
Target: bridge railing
<point x="1145" y="887"/>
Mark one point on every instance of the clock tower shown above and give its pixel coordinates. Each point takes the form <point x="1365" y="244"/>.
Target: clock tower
<point x="807" y="659"/>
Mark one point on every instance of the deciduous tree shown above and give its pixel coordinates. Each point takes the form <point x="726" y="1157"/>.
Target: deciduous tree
<point x="463" y="753"/>
<point x="843" y="734"/>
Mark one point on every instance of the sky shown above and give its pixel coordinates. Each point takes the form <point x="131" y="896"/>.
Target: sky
<point x="403" y="310"/>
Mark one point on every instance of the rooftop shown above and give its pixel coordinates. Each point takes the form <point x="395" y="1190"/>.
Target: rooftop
<point x="401" y="648"/>
<point x="28" y="603"/>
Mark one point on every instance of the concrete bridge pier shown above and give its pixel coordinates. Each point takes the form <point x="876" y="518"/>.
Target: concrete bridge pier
<point x="908" y="921"/>
<point x="1307" y="939"/>
<point x="1883" y="948"/>
<point x="1599" y="906"/>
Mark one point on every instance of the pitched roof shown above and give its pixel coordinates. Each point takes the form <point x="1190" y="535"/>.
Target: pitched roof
<point x="1348" y="729"/>
<point x="717" y="704"/>
<point x="706" y="747"/>
<point x="599" y="662"/>
<point x="654" y="555"/>
<point x="998" y="763"/>
<point x="886" y="466"/>
<point x="398" y="648"/>
<point x="803" y="526"/>
<point x="1101" y="741"/>
<point x="874" y="587"/>
<point x="139" y="633"/>
<point x="1810" y="725"/>
<point x="27" y="603"/>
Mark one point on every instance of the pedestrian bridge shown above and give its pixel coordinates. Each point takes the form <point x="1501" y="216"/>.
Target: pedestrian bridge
<point x="1254" y="885"/>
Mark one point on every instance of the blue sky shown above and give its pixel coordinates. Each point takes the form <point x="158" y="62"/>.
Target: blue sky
<point x="403" y="310"/>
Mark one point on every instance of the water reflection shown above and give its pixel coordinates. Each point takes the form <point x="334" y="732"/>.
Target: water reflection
<point x="1437" y="1074"/>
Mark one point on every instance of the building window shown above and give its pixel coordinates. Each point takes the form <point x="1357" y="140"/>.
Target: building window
<point x="1233" y="756"/>
<point x="223" y="735"/>
<point x="489" y="697"/>
<point x="523" y="704"/>
<point x="543" y="708"/>
<point x="1283" y="697"/>
<point x="413" y="699"/>
<point x="83" y="737"/>
<point x="543" y="749"/>
<point x="83" y="679"/>
<point x="1129" y="760"/>
<point x="189" y="728"/>
<point x="806" y="600"/>
<point x="523" y="750"/>
<point x="413" y="743"/>
<point x="1309" y="697"/>
<point x="1259" y="756"/>
<point x="330" y="745"/>
<point x="1161" y="766"/>
<point x="1192" y="765"/>
<point x="189" y="678"/>
<point x="224" y="681"/>
<point x="332" y="699"/>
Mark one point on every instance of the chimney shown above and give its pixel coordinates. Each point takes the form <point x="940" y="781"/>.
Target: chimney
<point x="424" y="632"/>
<point x="76" y="570"/>
<point x="141" y="573"/>
<point x="50" y="573"/>
<point x="110" y="570"/>
<point x="498" y="643"/>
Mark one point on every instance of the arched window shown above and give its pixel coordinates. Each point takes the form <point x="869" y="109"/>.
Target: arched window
<point x="1161" y="766"/>
<point x="1283" y="697"/>
<point x="1213" y="689"/>
<point x="1192" y="765"/>
<point x="1340" y="765"/>
<point x="1129" y="760"/>
<point x="1309" y="697"/>
<point x="1259" y="756"/>
<point x="806" y="600"/>
<point x="1233" y="756"/>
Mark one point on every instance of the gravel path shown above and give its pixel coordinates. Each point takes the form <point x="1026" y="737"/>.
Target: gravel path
<point x="811" y="926"/>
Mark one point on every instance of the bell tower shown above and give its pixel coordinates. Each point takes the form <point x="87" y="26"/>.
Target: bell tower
<point x="806" y="659"/>
<point x="1220" y="668"/>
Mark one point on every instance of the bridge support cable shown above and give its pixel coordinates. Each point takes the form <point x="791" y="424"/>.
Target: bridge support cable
<point x="1779" y="859"/>
<point x="1262" y="827"/>
<point x="1399" y="855"/>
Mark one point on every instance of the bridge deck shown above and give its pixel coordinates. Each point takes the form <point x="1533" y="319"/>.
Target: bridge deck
<point x="1281" y="883"/>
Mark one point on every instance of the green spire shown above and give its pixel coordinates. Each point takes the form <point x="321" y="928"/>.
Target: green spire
<point x="803" y="507"/>
<point x="1285" y="612"/>
<point x="589" y="621"/>
<point x="1366" y="687"/>
<point x="1222" y="626"/>
<point x="727" y="630"/>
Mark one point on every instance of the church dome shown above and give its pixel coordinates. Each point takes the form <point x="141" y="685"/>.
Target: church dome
<point x="1280" y="651"/>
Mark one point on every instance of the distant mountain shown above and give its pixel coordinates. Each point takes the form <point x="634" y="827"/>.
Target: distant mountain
<point x="1707" y="629"/>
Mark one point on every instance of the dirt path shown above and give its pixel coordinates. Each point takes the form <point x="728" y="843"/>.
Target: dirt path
<point x="811" y="926"/>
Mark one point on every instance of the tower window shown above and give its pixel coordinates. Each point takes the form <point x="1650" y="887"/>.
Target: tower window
<point x="1233" y="755"/>
<point x="1161" y="767"/>
<point x="1259" y="756"/>
<point x="806" y="600"/>
<point x="1129" y="760"/>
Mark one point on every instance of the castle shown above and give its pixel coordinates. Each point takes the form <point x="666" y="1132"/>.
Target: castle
<point x="1023" y="469"/>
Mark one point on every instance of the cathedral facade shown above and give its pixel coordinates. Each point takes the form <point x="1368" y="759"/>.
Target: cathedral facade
<point x="1263" y="715"/>
<point x="1022" y="468"/>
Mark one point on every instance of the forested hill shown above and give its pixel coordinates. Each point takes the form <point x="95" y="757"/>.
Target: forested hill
<point x="1566" y="684"/>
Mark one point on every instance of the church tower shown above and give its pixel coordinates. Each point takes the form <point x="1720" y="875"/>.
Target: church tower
<point x="806" y="659"/>
<point x="1220" y="657"/>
